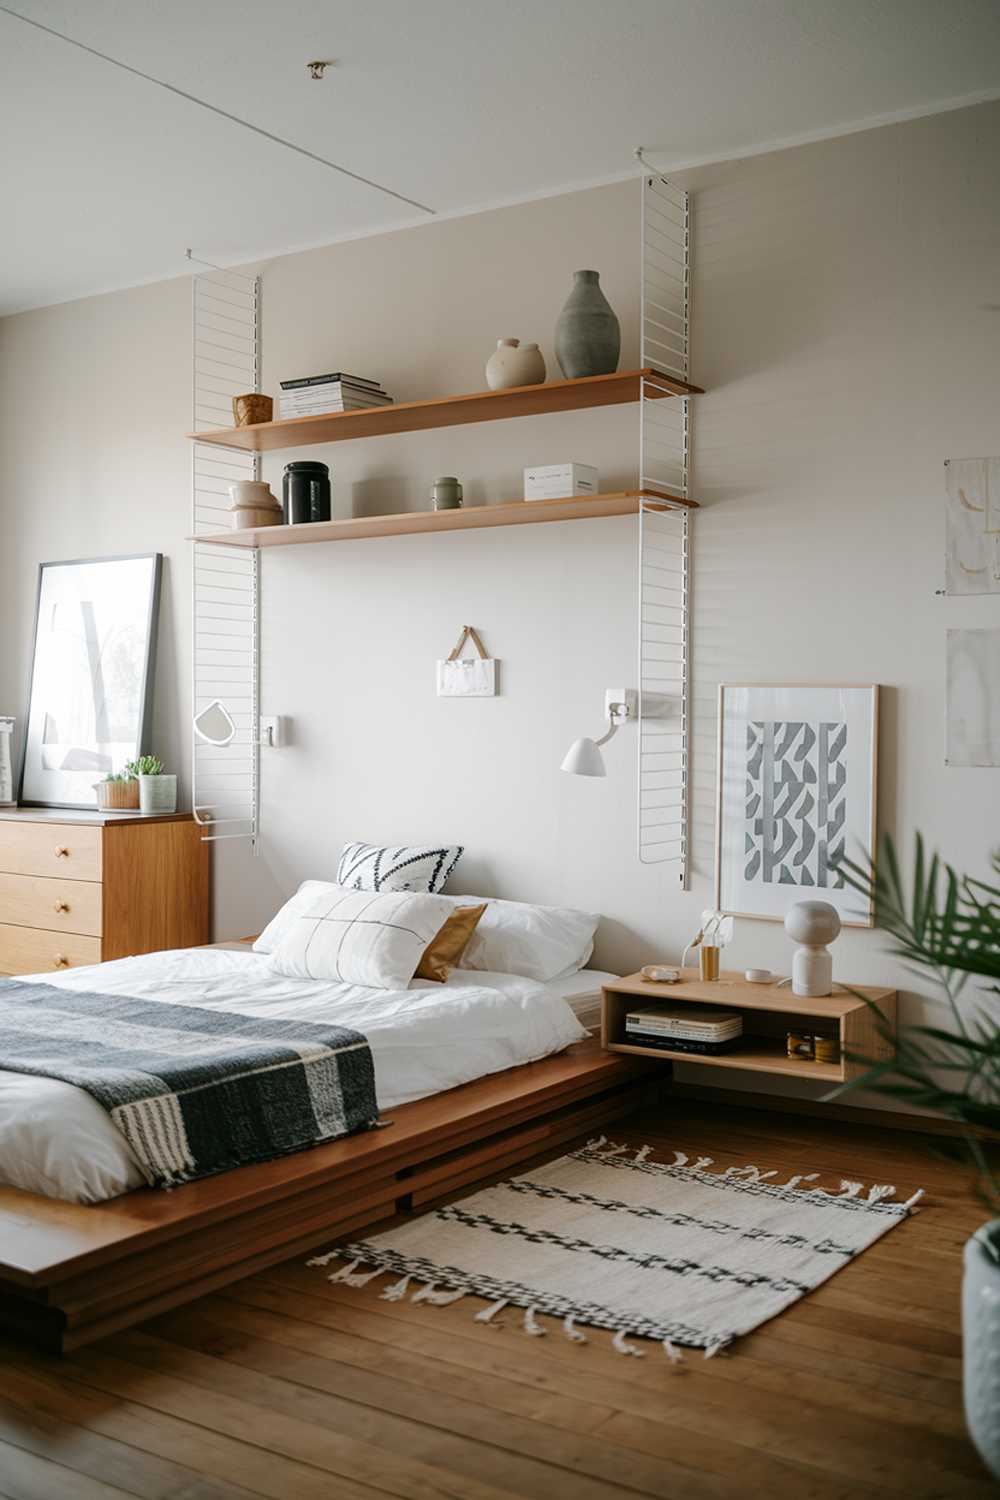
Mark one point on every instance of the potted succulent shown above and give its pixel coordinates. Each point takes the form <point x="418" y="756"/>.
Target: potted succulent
<point x="950" y="926"/>
<point x="157" y="791"/>
<point x="118" y="792"/>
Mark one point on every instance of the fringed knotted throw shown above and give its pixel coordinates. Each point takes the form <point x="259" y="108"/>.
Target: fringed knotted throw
<point x="193" y="1090"/>
<point x="612" y="1240"/>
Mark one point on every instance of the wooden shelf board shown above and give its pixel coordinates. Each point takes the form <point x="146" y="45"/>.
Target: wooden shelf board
<point x="732" y="991"/>
<point x="468" y="518"/>
<point x="449" y="411"/>
<point x="759" y="1056"/>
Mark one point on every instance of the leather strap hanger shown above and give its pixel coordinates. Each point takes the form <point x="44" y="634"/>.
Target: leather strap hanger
<point x="469" y="633"/>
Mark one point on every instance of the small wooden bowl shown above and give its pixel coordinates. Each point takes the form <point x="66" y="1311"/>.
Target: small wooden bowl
<point x="252" y="408"/>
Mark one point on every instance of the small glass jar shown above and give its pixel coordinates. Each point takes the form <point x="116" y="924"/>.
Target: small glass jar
<point x="305" y="493"/>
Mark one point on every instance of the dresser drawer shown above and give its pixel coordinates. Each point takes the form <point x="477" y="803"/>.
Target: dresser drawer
<point x="30" y="950"/>
<point x="65" y="851"/>
<point x="59" y="905"/>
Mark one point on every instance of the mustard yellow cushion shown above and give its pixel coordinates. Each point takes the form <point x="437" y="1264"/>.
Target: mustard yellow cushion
<point x="444" y="951"/>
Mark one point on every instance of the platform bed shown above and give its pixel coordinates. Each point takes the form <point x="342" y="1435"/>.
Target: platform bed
<point x="71" y="1273"/>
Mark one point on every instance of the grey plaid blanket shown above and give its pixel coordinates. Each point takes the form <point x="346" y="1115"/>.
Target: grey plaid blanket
<point x="194" y="1091"/>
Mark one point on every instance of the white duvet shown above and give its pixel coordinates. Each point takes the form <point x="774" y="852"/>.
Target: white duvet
<point x="56" y="1140"/>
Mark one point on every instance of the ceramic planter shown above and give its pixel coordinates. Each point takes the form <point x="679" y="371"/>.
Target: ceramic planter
<point x="588" y="336"/>
<point x="981" y="1347"/>
<point x="513" y="363"/>
<point x="157" y="794"/>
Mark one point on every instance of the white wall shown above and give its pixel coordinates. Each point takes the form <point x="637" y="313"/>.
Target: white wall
<point x="846" y="327"/>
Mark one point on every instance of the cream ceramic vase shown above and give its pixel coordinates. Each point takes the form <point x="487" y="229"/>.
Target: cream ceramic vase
<point x="513" y="363"/>
<point x="981" y="1348"/>
<point x="253" y="504"/>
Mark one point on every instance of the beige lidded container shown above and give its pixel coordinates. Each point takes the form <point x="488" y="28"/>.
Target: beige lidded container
<point x="253" y="505"/>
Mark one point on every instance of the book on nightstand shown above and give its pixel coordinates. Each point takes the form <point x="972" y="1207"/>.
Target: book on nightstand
<point x="686" y="1028"/>
<point x="662" y="1043"/>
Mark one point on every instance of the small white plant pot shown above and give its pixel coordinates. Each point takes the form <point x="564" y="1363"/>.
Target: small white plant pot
<point x="157" y="794"/>
<point x="981" y="1349"/>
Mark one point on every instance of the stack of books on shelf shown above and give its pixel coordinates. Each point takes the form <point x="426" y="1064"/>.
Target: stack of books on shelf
<point x="312" y="395"/>
<point x="684" y="1028"/>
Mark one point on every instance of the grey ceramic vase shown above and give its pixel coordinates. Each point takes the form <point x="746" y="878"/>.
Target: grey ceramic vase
<point x="588" y="335"/>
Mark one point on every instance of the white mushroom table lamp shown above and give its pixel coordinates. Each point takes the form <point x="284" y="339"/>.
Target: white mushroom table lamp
<point x="812" y="924"/>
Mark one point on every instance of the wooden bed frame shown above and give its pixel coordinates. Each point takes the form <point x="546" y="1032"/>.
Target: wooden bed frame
<point x="72" y="1273"/>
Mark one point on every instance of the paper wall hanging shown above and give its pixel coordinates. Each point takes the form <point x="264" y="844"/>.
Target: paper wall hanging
<point x="467" y="676"/>
<point x="972" y="733"/>
<point x="972" y="526"/>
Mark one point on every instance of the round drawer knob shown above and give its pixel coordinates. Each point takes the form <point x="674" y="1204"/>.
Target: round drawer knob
<point x="62" y="906"/>
<point x="61" y="961"/>
<point x="62" y="852"/>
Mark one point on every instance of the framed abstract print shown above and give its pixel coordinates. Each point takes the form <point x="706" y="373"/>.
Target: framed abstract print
<point x="796" y="791"/>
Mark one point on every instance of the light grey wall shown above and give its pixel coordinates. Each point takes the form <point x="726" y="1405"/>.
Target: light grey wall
<point x="846" y="328"/>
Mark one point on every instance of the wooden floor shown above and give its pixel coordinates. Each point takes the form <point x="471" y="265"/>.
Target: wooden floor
<point x="288" y="1387"/>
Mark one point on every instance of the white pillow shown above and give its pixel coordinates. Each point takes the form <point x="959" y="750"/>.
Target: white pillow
<point x="361" y="937"/>
<point x="537" y="942"/>
<point x="401" y="867"/>
<point x="296" y="906"/>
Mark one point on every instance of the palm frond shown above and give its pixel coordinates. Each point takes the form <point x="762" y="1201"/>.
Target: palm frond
<point x="948" y="926"/>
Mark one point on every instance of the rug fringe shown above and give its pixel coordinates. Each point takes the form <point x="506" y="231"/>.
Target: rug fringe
<point x="430" y="1293"/>
<point x="672" y="1352"/>
<point x="621" y="1345"/>
<point x="346" y="1276"/>
<point x="532" y="1326"/>
<point x="397" y="1291"/>
<point x="571" y="1332"/>
<point x="489" y="1313"/>
<point x="601" y="1146"/>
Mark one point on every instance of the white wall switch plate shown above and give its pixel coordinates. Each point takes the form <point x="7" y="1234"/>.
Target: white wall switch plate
<point x="272" y="731"/>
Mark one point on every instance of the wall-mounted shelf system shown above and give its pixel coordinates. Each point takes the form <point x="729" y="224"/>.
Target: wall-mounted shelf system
<point x="226" y="563"/>
<point x="469" y="518"/>
<point x="768" y="1012"/>
<point x="450" y="411"/>
<point x="226" y="580"/>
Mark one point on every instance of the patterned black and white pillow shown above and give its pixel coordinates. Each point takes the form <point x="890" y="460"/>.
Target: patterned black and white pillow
<point x="373" y="867"/>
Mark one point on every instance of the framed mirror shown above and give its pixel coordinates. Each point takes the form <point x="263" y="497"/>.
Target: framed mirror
<point x="90" y="695"/>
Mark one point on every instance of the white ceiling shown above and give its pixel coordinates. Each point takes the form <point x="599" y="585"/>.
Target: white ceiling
<point x="461" y="104"/>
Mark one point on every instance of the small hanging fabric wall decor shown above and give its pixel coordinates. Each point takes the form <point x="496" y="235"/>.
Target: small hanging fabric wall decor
<point x="467" y="676"/>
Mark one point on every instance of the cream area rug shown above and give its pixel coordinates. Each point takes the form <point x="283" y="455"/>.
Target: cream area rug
<point x="606" y="1238"/>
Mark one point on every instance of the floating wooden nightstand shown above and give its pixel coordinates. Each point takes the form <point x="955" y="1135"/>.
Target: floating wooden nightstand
<point x="769" y="1013"/>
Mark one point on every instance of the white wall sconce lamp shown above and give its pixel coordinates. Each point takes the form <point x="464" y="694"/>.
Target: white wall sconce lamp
<point x="584" y="758"/>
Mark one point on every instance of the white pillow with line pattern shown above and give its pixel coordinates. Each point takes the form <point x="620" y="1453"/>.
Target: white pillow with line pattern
<point x="370" y="938"/>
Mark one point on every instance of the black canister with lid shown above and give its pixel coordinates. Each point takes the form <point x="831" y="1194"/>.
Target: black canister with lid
<point x="305" y="493"/>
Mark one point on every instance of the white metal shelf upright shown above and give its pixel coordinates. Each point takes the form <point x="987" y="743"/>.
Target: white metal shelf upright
<point x="664" y="534"/>
<point x="226" y="580"/>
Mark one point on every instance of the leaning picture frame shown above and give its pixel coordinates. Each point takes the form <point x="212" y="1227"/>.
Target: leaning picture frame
<point x="90" y="685"/>
<point x="797" y="788"/>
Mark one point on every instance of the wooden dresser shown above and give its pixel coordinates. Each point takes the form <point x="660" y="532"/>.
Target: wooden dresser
<point x="82" y="887"/>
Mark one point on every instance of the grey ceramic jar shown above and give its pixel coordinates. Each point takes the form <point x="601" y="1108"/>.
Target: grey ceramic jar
<point x="588" y="335"/>
<point x="446" y="493"/>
